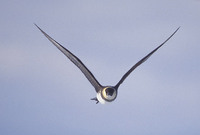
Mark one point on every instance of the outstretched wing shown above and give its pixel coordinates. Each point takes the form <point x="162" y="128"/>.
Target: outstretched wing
<point x="76" y="61"/>
<point x="142" y="60"/>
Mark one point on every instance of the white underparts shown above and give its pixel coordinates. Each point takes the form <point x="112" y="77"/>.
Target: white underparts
<point x="100" y="99"/>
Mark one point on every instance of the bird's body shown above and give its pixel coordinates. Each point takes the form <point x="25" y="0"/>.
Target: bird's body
<point x="104" y="93"/>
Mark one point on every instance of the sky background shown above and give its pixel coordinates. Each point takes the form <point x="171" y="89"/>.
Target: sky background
<point x="43" y="93"/>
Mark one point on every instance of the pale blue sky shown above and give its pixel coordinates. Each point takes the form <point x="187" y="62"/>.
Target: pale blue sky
<point x="43" y="93"/>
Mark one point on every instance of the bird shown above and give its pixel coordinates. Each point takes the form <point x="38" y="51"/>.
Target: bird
<point x="105" y="94"/>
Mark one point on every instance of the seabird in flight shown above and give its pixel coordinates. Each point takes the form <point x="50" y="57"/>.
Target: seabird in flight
<point x="104" y="93"/>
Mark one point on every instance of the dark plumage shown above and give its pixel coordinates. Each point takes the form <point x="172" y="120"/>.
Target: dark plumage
<point x="104" y="93"/>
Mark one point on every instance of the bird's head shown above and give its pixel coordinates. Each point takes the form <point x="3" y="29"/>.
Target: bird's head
<point x="107" y="94"/>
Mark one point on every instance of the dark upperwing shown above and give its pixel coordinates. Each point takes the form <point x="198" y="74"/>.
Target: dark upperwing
<point x="141" y="61"/>
<point x="76" y="61"/>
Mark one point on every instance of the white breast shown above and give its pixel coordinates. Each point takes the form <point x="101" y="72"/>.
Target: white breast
<point x="101" y="100"/>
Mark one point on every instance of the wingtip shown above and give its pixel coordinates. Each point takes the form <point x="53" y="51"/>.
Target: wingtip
<point x="37" y="26"/>
<point x="177" y="29"/>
